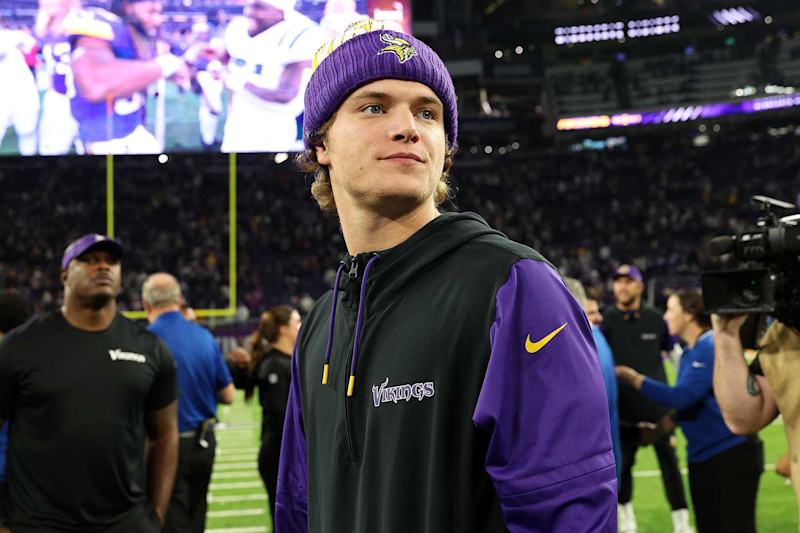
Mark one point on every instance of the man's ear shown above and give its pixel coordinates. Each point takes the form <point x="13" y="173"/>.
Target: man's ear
<point x="64" y="275"/>
<point x="323" y="157"/>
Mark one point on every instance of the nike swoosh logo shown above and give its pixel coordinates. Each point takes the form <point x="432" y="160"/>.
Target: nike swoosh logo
<point x="698" y="364"/>
<point x="534" y="347"/>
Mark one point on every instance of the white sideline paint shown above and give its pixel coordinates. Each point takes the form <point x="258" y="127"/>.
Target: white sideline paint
<point x="257" y="529"/>
<point x="236" y="458"/>
<point x="239" y="498"/>
<point x="684" y="471"/>
<point x="237" y="512"/>
<point x="237" y="474"/>
<point x="241" y="485"/>
<point x="235" y="466"/>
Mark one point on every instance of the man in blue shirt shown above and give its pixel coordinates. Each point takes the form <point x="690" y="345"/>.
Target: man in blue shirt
<point x="592" y="309"/>
<point x="204" y="380"/>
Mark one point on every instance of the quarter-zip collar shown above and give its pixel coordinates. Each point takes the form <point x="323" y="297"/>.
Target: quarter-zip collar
<point x="372" y="279"/>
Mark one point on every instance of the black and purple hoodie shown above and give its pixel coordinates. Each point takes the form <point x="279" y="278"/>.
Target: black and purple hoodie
<point x="475" y="401"/>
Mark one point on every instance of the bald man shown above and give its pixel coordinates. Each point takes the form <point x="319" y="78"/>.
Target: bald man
<point x="204" y="380"/>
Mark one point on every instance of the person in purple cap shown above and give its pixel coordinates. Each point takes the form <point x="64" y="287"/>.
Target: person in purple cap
<point x="449" y="381"/>
<point x="638" y="335"/>
<point x="83" y="389"/>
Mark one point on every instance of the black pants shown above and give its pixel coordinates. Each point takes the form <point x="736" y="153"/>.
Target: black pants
<point x="3" y="503"/>
<point x="268" y="459"/>
<point x="187" y="507"/>
<point x="670" y="472"/>
<point x="724" y="489"/>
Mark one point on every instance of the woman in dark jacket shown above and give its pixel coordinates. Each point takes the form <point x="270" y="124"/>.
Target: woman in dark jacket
<point x="270" y="370"/>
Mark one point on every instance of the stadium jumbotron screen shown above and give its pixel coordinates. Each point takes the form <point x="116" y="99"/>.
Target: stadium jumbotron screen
<point x="152" y="76"/>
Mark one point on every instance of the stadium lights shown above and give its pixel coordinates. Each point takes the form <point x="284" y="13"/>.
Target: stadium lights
<point x="733" y="16"/>
<point x="163" y="158"/>
<point x="609" y="31"/>
<point x="680" y="114"/>
<point x="280" y="157"/>
<point x="740" y="92"/>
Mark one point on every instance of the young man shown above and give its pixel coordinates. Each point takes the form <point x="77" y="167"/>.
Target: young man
<point x="638" y="335"/>
<point x="82" y="388"/>
<point x="204" y="380"/>
<point x="449" y="381"/>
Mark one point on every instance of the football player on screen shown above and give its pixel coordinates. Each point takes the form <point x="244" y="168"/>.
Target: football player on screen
<point x="58" y="130"/>
<point x="114" y="60"/>
<point x="19" y="97"/>
<point x="268" y="53"/>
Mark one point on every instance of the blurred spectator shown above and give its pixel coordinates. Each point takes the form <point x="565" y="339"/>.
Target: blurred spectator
<point x="592" y="310"/>
<point x="724" y="469"/>
<point x="204" y="380"/>
<point x="14" y="311"/>
<point x="638" y="336"/>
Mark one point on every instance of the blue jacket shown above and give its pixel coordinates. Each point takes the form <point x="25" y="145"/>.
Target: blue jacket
<point x="200" y="366"/>
<point x="693" y="396"/>
<point x="610" y="379"/>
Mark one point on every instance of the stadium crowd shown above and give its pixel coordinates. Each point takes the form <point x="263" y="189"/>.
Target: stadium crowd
<point x="636" y="196"/>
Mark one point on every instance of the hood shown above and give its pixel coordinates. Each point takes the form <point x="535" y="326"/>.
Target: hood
<point x="396" y="266"/>
<point x="376" y="277"/>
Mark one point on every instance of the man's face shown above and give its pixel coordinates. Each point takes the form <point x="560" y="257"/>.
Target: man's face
<point x="627" y="290"/>
<point x="148" y="14"/>
<point x="675" y="317"/>
<point x="94" y="275"/>
<point x="593" y="312"/>
<point x="385" y="150"/>
<point x="262" y="15"/>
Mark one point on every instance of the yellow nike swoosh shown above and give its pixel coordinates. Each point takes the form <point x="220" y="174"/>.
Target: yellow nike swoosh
<point x="534" y="347"/>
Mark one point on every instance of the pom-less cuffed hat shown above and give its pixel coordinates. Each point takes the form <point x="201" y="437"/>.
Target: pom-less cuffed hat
<point x="367" y="51"/>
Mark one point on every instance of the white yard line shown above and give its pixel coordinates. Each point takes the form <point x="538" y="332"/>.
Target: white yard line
<point x="236" y="475"/>
<point x="240" y="498"/>
<point x="237" y="512"/>
<point x="225" y="465"/>
<point x="240" y="485"/>
<point x="257" y="529"/>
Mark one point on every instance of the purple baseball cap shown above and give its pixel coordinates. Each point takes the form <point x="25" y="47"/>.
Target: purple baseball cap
<point x="629" y="271"/>
<point x="87" y="242"/>
<point x="367" y="51"/>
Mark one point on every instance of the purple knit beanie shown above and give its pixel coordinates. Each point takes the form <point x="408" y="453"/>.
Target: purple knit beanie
<point x="367" y="51"/>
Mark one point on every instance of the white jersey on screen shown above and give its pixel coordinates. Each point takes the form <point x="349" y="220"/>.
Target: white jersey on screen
<point x="254" y="124"/>
<point x="19" y="96"/>
<point x="58" y="130"/>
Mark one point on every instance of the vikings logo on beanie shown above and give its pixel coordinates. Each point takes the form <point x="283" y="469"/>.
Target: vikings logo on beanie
<point x="367" y="51"/>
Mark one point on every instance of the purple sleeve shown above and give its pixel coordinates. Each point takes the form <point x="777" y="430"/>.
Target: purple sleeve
<point x="543" y="404"/>
<point x="291" y="502"/>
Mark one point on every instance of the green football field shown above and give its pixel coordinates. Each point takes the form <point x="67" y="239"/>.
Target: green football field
<point x="238" y="502"/>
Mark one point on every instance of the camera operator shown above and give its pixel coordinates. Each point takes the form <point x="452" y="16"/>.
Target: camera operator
<point x="751" y="398"/>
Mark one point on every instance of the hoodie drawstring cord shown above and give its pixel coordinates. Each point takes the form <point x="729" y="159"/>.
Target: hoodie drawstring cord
<point x="326" y="368"/>
<point x="362" y="297"/>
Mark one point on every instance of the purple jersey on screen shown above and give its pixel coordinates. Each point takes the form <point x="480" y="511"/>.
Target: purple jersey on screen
<point x="57" y="55"/>
<point x="96" y="121"/>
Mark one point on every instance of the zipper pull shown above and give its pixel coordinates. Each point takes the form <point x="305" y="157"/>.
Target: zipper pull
<point x="353" y="274"/>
